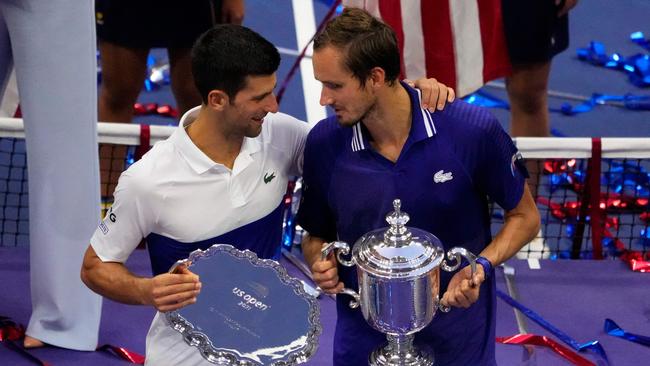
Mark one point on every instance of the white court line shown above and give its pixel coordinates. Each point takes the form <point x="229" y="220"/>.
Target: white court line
<point x="305" y="20"/>
<point x="536" y="249"/>
<point x="533" y="263"/>
<point x="290" y="52"/>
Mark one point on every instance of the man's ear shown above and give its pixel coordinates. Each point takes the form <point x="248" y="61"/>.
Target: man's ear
<point x="218" y="99"/>
<point x="377" y="77"/>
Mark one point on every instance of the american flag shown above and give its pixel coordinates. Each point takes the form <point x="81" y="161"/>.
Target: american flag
<point x="459" y="42"/>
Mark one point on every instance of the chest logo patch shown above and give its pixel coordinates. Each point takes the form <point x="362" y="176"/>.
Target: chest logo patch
<point x="441" y="176"/>
<point x="268" y="177"/>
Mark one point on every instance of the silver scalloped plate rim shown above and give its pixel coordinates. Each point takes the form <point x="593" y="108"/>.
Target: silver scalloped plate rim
<point x="215" y="355"/>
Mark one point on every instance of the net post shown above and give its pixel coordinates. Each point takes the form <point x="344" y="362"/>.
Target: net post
<point x="145" y="141"/>
<point x="590" y="204"/>
<point x="593" y="184"/>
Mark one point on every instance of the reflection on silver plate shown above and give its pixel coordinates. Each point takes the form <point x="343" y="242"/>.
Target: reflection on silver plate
<point x="250" y="312"/>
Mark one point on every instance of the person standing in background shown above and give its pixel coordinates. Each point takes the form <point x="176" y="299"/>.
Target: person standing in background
<point x="127" y="31"/>
<point x="51" y="44"/>
<point x="536" y="31"/>
<point x="460" y="43"/>
<point x="466" y="44"/>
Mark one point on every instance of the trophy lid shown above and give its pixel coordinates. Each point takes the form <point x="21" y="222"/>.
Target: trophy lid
<point x="398" y="251"/>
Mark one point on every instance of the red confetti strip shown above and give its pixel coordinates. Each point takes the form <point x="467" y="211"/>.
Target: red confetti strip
<point x="609" y="202"/>
<point x="645" y="217"/>
<point x="10" y="332"/>
<point x="164" y="110"/>
<point x="634" y="259"/>
<point x="124" y="353"/>
<point x="536" y="340"/>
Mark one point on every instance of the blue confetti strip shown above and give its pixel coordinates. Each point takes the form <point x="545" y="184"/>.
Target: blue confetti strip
<point x="637" y="66"/>
<point x="593" y="346"/>
<point x="613" y="329"/>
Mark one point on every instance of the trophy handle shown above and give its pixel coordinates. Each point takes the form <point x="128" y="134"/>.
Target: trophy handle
<point x="356" y="298"/>
<point x="454" y="255"/>
<point x="341" y="248"/>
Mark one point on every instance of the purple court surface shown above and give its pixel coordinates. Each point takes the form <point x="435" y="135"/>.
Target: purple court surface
<point x="574" y="296"/>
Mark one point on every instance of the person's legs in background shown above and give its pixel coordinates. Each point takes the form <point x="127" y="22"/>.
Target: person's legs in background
<point x="54" y="51"/>
<point x="182" y="83"/>
<point x="127" y="32"/>
<point x="123" y="73"/>
<point x="535" y="31"/>
<point x="124" y="70"/>
<point x="527" y="92"/>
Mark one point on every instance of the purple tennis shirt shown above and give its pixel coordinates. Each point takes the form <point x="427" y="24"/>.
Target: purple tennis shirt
<point x="452" y="163"/>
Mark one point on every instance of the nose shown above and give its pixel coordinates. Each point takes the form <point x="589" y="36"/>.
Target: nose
<point x="272" y="106"/>
<point x="325" y="99"/>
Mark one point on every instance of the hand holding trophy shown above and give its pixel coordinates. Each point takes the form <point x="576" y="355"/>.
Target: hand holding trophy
<point x="398" y="270"/>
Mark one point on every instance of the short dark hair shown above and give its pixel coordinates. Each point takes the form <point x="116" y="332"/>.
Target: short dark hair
<point x="366" y="42"/>
<point x="225" y="55"/>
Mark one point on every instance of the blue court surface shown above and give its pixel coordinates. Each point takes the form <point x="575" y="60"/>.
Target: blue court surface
<point x="599" y="20"/>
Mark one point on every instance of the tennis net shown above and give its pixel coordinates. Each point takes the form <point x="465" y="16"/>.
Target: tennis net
<point x="592" y="194"/>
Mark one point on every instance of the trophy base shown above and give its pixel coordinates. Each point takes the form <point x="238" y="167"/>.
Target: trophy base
<point x="393" y="355"/>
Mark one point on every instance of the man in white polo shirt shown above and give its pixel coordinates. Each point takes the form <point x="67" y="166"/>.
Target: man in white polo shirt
<point x="220" y="178"/>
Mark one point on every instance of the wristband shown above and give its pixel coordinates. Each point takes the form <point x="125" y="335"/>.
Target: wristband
<point x="487" y="266"/>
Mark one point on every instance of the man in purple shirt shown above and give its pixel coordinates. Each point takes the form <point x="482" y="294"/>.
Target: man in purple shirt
<point x="382" y="145"/>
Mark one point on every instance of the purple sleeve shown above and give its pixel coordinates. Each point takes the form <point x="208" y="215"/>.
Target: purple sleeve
<point x="502" y="172"/>
<point x="315" y="215"/>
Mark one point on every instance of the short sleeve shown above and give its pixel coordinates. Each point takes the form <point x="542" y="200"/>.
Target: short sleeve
<point x="126" y="223"/>
<point x="290" y="135"/>
<point x="502" y="172"/>
<point x="314" y="214"/>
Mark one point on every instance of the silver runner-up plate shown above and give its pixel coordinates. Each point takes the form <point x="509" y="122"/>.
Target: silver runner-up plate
<point x="249" y="311"/>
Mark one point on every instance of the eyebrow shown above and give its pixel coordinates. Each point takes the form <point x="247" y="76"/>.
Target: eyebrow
<point x="264" y="95"/>
<point x="330" y="82"/>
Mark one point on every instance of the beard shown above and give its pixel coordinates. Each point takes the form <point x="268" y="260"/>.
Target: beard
<point x="352" y="119"/>
<point x="253" y="130"/>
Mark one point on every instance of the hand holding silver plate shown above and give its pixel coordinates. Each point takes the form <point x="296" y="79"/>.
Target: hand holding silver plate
<point x="399" y="281"/>
<point x="240" y="317"/>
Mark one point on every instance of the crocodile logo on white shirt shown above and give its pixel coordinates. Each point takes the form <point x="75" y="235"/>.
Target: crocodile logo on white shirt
<point x="441" y="176"/>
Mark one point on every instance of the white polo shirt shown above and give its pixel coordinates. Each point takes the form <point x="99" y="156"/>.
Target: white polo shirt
<point x="179" y="199"/>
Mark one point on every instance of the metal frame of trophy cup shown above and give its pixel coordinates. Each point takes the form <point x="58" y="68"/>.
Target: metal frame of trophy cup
<point x="398" y="271"/>
<point x="240" y="317"/>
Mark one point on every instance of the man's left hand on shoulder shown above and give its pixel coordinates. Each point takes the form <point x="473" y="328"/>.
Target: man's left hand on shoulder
<point x="435" y="95"/>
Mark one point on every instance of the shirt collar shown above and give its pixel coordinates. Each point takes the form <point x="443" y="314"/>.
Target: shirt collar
<point x="196" y="158"/>
<point x="422" y="126"/>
